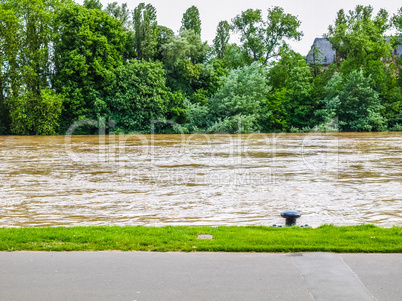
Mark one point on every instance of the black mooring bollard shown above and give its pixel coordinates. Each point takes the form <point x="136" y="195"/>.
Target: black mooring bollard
<point x="291" y="216"/>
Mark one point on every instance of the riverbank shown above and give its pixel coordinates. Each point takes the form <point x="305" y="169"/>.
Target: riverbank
<point x="327" y="238"/>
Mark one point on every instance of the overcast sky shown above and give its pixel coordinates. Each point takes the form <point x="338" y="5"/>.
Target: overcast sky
<point x="315" y="15"/>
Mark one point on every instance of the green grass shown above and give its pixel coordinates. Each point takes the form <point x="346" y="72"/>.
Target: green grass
<point x="327" y="238"/>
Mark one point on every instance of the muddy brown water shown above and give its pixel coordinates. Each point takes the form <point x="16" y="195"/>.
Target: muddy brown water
<point x="341" y="179"/>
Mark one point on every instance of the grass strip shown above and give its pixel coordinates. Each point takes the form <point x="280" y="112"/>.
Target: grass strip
<point x="327" y="238"/>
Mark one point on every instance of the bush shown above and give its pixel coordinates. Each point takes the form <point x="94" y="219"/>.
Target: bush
<point x="241" y="100"/>
<point x="354" y="102"/>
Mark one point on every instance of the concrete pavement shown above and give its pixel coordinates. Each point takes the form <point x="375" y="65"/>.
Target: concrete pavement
<point x="199" y="276"/>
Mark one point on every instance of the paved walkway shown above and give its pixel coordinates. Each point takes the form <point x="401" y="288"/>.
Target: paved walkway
<point x="199" y="276"/>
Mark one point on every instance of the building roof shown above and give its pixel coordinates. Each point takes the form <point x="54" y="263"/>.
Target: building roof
<point x="328" y="54"/>
<point x="398" y="50"/>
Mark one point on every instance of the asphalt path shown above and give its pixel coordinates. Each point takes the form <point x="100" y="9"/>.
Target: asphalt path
<point x="199" y="276"/>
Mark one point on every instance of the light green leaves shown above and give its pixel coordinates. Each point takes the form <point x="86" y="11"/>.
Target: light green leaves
<point x="240" y="104"/>
<point x="35" y="114"/>
<point x="263" y="38"/>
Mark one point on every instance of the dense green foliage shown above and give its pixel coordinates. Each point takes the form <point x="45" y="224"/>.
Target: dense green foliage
<point x="354" y="102"/>
<point x="137" y="95"/>
<point x="191" y="20"/>
<point x="262" y="39"/>
<point x="291" y="101"/>
<point x="240" y="104"/>
<point x="36" y="113"/>
<point x="145" y="31"/>
<point x="88" y="49"/>
<point x="222" y="39"/>
<point x="355" y="239"/>
<point x="61" y="62"/>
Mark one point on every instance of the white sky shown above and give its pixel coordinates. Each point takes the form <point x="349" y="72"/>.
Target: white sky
<point x="315" y="15"/>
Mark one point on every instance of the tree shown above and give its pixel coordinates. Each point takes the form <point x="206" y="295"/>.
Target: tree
<point x="35" y="42"/>
<point x="164" y="36"/>
<point x="290" y="99"/>
<point x="212" y="77"/>
<point x="263" y="39"/>
<point x="89" y="46"/>
<point x="249" y="25"/>
<point x="299" y="87"/>
<point x="191" y="20"/>
<point x="139" y="96"/>
<point x="9" y="48"/>
<point x="92" y="4"/>
<point x="9" y="73"/>
<point x="392" y="100"/>
<point x="183" y="56"/>
<point x="4" y="119"/>
<point x="146" y="31"/>
<point x="240" y="104"/>
<point x="319" y="83"/>
<point x="26" y="40"/>
<point x="124" y="15"/>
<point x="391" y="94"/>
<point x="121" y="13"/>
<point x="279" y="26"/>
<point x="359" y="40"/>
<point x="198" y="50"/>
<point x="33" y="114"/>
<point x="222" y="38"/>
<point x="356" y="104"/>
<point x="397" y="22"/>
<point x="236" y="57"/>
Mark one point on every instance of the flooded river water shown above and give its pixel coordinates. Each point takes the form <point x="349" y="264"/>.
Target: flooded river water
<point x="342" y="179"/>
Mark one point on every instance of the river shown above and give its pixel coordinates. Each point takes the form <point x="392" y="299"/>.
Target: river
<point x="339" y="178"/>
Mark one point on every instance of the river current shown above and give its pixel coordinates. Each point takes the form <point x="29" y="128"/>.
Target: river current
<point x="339" y="178"/>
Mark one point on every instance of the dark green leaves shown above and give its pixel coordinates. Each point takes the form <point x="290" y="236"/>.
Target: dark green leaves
<point x="145" y="31"/>
<point x="222" y="38"/>
<point x="191" y="20"/>
<point x="138" y="97"/>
